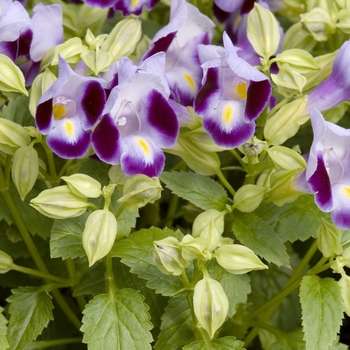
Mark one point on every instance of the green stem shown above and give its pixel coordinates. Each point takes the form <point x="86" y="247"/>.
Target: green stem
<point x="49" y="344"/>
<point x="50" y="159"/>
<point x="225" y="182"/>
<point x="239" y="159"/>
<point x="64" y="168"/>
<point x="173" y="203"/>
<point x="110" y="280"/>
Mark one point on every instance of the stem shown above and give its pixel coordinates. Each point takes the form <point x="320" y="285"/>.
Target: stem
<point x="239" y="158"/>
<point x="64" y="168"/>
<point x="225" y="183"/>
<point x="49" y="344"/>
<point x="174" y="201"/>
<point x="50" y="159"/>
<point x="110" y="280"/>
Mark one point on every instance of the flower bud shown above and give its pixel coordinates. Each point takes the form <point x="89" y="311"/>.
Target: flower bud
<point x="344" y="283"/>
<point x="99" y="234"/>
<point x="329" y="239"/>
<point x="117" y="175"/>
<point x="12" y="136"/>
<point x="263" y="31"/>
<point x="346" y="256"/>
<point x="25" y="169"/>
<point x="249" y="197"/>
<point x="203" y="220"/>
<point x="286" y="158"/>
<point x="210" y="304"/>
<point x="98" y="61"/>
<point x="252" y="150"/>
<point x="297" y="37"/>
<point x="238" y="259"/>
<point x="167" y="256"/>
<point x="83" y="185"/>
<point x="192" y="248"/>
<point x="71" y="51"/>
<point x="344" y="21"/>
<point x="140" y="190"/>
<point x="59" y="203"/>
<point x="6" y="262"/>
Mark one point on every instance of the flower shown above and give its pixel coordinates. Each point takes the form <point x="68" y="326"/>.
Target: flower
<point x="326" y="170"/>
<point x="232" y="96"/>
<point x="138" y="120"/>
<point x="68" y="110"/>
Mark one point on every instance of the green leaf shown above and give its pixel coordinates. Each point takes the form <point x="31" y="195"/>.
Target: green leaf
<point x="135" y="252"/>
<point x="3" y="331"/>
<point x="65" y="241"/>
<point x="96" y="169"/>
<point x="254" y="233"/>
<point x="289" y="341"/>
<point x="177" y="327"/>
<point x="322" y="311"/>
<point x="226" y="343"/>
<point x="200" y="190"/>
<point x="119" y="321"/>
<point x="17" y="111"/>
<point x="30" y="310"/>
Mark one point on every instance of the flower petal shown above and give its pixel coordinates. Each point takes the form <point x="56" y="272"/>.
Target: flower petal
<point x="341" y="211"/>
<point x="43" y="116"/>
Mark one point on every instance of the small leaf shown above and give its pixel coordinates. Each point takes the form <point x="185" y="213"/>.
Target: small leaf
<point x="254" y="233"/>
<point x="226" y="343"/>
<point x="30" y="310"/>
<point x="3" y="331"/>
<point x="200" y="190"/>
<point x="289" y="341"/>
<point x="119" y="321"/>
<point x="135" y="252"/>
<point x="322" y="311"/>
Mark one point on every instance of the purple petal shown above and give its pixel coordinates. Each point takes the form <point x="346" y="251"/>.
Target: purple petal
<point x="341" y="211"/>
<point x="100" y="3"/>
<point x="258" y="95"/>
<point x="106" y="140"/>
<point x="43" y="117"/>
<point x="127" y="7"/>
<point x="142" y="157"/>
<point x="161" y="44"/>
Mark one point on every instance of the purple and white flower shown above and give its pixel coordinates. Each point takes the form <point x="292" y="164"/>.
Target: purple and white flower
<point x="68" y="110"/>
<point x="138" y="120"/>
<point x="232" y="96"/>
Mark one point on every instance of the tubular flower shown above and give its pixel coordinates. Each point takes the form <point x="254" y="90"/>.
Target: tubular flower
<point x="326" y="171"/>
<point x="68" y="110"/>
<point x="232" y="96"/>
<point x="138" y="120"/>
<point x="179" y="39"/>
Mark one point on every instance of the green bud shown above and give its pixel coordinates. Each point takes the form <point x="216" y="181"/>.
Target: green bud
<point x="297" y="37"/>
<point x="344" y="284"/>
<point x="98" y="61"/>
<point x="25" y="169"/>
<point x="33" y="132"/>
<point x="12" y="136"/>
<point x="238" y="259"/>
<point x="210" y="304"/>
<point x="83" y="185"/>
<point x="6" y="262"/>
<point x="263" y="31"/>
<point x="338" y="265"/>
<point x="286" y="158"/>
<point x="346" y="256"/>
<point x="99" y="234"/>
<point x="167" y="256"/>
<point x="11" y="77"/>
<point x="117" y="175"/>
<point x="71" y="50"/>
<point x="140" y="190"/>
<point x="344" y="21"/>
<point x="336" y="113"/>
<point x="59" y="203"/>
<point x="193" y="248"/>
<point x="123" y="38"/>
<point x="249" y="197"/>
<point x="107" y="191"/>
<point x="204" y="219"/>
<point x="329" y="239"/>
<point x="286" y="122"/>
<point x="252" y="149"/>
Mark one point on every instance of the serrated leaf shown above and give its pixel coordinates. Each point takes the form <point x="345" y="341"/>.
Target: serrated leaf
<point x="3" y="331"/>
<point x="226" y="343"/>
<point x="31" y="310"/>
<point x="289" y="341"/>
<point x="135" y="252"/>
<point x="254" y="233"/>
<point x="119" y="321"/>
<point x="177" y="327"/>
<point x="17" y="111"/>
<point x="322" y="311"/>
<point x="200" y="190"/>
<point x="66" y="236"/>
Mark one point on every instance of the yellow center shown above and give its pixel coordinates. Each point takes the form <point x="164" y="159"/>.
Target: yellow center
<point x="241" y="90"/>
<point x="347" y="191"/>
<point x="190" y="81"/>
<point x="227" y="114"/>
<point x="134" y="3"/>
<point x="69" y="128"/>
<point x="59" y="111"/>
<point x="144" y="146"/>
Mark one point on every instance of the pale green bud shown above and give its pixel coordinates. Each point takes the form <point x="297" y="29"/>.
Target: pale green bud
<point x="98" y="61"/>
<point x="6" y="262"/>
<point x="59" y="203"/>
<point x="123" y="38"/>
<point x="83" y="185"/>
<point x="344" y="21"/>
<point x="319" y="23"/>
<point x="25" y="169"/>
<point x="140" y="190"/>
<point x="12" y="136"/>
<point x="167" y="256"/>
<point x="203" y="220"/>
<point x="346" y="256"/>
<point x="107" y="191"/>
<point x="329" y="239"/>
<point x="252" y="149"/>
<point x="338" y="265"/>
<point x="297" y="37"/>
<point x="286" y="158"/>
<point x="33" y="132"/>
<point x="249" y="197"/>
<point x="343" y="4"/>
<point x="263" y="31"/>
<point x="11" y="77"/>
<point x="117" y="175"/>
<point x="71" y="51"/>
<point x="238" y="259"/>
<point x="344" y="284"/>
<point x="94" y="41"/>
<point x="193" y="248"/>
<point x="336" y="113"/>
<point x="99" y="234"/>
<point x="200" y="137"/>
<point x="286" y="121"/>
<point x="210" y="304"/>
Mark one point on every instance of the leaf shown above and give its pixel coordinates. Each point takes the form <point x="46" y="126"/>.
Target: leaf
<point x="226" y="343"/>
<point x="66" y="236"/>
<point x="31" y="310"/>
<point x="200" y="190"/>
<point x="322" y="311"/>
<point x="96" y="169"/>
<point x="117" y="321"/>
<point x="254" y="233"/>
<point x="3" y="331"/>
<point x="135" y="252"/>
<point x="289" y="341"/>
<point x="177" y="327"/>
<point x="17" y="111"/>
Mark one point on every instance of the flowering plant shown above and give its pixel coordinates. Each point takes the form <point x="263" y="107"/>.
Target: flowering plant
<point x="174" y="174"/>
